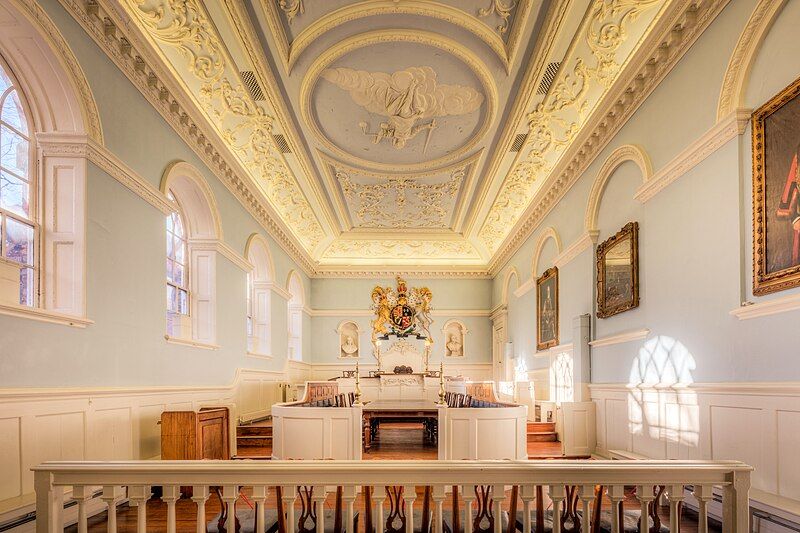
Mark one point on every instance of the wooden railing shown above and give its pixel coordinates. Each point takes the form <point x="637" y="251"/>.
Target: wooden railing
<point x="571" y="486"/>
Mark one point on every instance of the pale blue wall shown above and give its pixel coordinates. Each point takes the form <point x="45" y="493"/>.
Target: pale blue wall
<point x="125" y="264"/>
<point x="354" y="294"/>
<point x="695" y="236"/>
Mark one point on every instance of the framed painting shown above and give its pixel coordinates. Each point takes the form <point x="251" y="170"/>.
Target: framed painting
<point x="618" y="272"/>
<point x="547" y="309"/>
<point x="776" y="193"/>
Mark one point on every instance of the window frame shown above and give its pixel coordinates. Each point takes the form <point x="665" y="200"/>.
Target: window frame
<point x="34" y="190"/>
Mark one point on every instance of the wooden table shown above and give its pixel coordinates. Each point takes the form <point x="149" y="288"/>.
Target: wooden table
<point x="425" y="411"/>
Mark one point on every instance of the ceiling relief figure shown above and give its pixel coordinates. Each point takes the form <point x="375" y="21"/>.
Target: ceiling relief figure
<point x="410" y="99"/>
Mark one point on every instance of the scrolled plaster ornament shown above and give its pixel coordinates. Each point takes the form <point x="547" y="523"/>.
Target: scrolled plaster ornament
<point x="292" y="8"/>
<point x="402" y="249"/>
<point x="400" y="202"/>
<point x="556" y="121"/>
<point x="503" y="11"/>
<point x="406" y="98"/>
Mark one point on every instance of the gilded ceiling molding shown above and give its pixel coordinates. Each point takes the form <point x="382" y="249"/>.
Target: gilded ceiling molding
<point x="133" y="58"/>
<point x="243" y="124"/>
<point x="505" y="51"/>
<point x="549" y="233"/>
<point x="672" y="35"/>
<point x="545" y="41"/>
<point x="59" y="47"/>
<point x="355" y="42"/>
<point x="737" y="74"/>
<point x="237" y="15"/>
<point x="553" y="126"/>
<point x="628" y="152"/>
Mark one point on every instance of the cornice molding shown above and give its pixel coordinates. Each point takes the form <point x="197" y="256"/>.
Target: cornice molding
<point x="102" y="25"/>
<point x="76" y="145"/>
<point x="223" y="249"/>
<point x="572" y="251"/>
<point x="708" y="143"/>
<point x="620" y="338"/>
<point x="525" y="287"/>
<point x="767" y="307"/>
<point x="277" y="289"/>
<point x="369" y="312"/>
<point x="668" y="42"/>
<point x="449" y="272"/>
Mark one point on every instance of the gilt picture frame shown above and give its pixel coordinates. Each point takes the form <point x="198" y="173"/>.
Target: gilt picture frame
<point x="776" y="192"/>
<point x="547" y="309"/>
<point x="618" y="272"/>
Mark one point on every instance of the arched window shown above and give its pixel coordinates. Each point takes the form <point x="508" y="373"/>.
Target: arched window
<point x="193" y="236"/>
<point x="18" y="217"/>
<point x="296" y="305"/>
<point x="259" y="302"/>
<point x="177" y="273"/>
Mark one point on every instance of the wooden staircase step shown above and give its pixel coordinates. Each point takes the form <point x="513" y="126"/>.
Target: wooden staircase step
<point x="254" y="431"/>
<point x="541" y="426"/>
<point x="244" y="441"/>
<point x="542" y="436"/>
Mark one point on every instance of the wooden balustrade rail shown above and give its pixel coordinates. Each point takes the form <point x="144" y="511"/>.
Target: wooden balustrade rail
<point x="568" y="483"/>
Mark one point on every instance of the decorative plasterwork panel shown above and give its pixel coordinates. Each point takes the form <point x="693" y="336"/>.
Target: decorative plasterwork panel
<point x="603" y="44"/>
<point x="411" y="104"/>
<point x="379" y="200"/>
<point x="499" y="23"/>
<point x="378" y="251"/>
<point x="245" y="126"/>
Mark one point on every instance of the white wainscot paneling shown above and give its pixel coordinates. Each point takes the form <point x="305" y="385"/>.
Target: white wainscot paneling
<point x="97" y="424"/>
<point x="758" y="423"/>
<point x="788" y="450"/>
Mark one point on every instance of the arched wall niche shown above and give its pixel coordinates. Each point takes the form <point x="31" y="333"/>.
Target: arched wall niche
<point x="294" y="285"/>
<point x="195" y="197"/>
<point x="511" y="276"/>
<point x="628" y="152"/>
<point x="349" y="339"/>
<point x="48" y="72"/>
<point x="537" y="265"/>
<point x="737" y="75"/>
<point x="256" y="251"/>
<point x="455" y="338"/>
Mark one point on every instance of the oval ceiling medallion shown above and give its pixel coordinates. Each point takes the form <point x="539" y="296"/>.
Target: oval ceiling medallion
<point x="398" y="100"/>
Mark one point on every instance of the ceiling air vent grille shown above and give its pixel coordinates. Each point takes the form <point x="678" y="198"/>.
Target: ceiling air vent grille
<point x="549" y="75"/>
<point x="280" y="142"/>
<point x="250" y="81"/>
<point x="519" y="142"/>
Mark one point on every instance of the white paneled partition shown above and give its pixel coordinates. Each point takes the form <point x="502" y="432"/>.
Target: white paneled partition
<point x="103" y="424"/>
<point x="756" y="423"/>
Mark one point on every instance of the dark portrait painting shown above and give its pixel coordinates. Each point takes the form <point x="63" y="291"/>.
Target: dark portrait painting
<point x="547" y="309"/>
<point x="776" y="193"/>
<point x="618" y="272"/>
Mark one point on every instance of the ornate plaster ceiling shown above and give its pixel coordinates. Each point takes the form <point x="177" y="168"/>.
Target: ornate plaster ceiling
<point x="397" y="132"/>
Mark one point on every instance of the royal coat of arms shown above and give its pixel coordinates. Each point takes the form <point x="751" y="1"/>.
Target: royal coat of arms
<point x="401" y="311"/>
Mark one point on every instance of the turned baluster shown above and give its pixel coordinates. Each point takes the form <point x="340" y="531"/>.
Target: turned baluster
<point x="111" y="494"/>
<point x="139" y="494"/>
<point x="169" y="495"/>
<point x="703" y="494"/>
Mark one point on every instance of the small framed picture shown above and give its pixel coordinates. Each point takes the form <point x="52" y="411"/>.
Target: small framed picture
<point x="547" y="309"/>
<point x="618" y="272"/>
